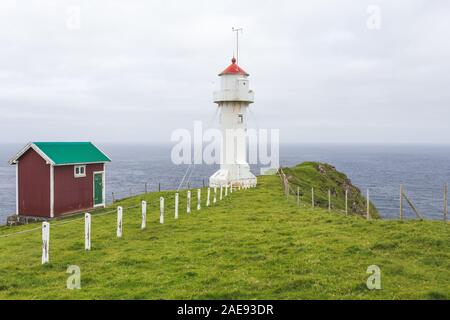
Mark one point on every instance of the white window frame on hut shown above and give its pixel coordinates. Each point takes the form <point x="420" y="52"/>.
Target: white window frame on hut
<point x="81" y="171"/>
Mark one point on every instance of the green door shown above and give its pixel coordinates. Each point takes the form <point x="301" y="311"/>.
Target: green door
<point x="98" y="188"/>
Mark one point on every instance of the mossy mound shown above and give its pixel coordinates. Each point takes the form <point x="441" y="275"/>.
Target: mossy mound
<point x="323" y="177"/>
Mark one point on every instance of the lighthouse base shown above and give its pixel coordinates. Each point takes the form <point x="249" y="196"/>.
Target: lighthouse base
<point x="239" y="175"/>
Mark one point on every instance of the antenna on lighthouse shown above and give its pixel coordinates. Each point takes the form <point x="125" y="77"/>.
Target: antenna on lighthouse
<point x="237" y="30"/>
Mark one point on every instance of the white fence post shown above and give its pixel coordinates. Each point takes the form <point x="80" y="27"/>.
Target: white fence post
<point x="199" y="195"/>
<point x="226" y="190"/>
<point x="87" y="231"/>
<point x="208" y="198"/>
<point x="45" y="242"/>
<point x="329" y="200"/>
<point x="401" y="202"/>
<point x="298" y="196"/>
<point x="445" y="202"/>
<point x="215" y="195"/>
<point x="346" y="201"/>
<point x="176" y="205"/>
<point x="221" y="192"/>
<point x="231" y="187"/>
<point x="188" y="208"/>
<point x="161" y="210"/>
<point x="119" y="222"/>
<point x="312" y="197"/>
<point x="144" y="215"/>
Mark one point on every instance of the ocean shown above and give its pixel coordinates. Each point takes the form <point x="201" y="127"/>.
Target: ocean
<point x="423" y="170"/>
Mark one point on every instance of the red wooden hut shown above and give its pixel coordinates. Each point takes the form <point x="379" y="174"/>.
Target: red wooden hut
<point x="57" y="178"/>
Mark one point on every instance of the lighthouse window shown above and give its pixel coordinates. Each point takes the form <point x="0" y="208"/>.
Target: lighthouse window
<point x="80" y="171"/>
<point x="240" y="118"/>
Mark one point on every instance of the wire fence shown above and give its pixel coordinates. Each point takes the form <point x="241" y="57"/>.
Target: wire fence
<point x="428" y="201"/>
<point x="291" y="192"/>
<point x="153" y="186"/>
<point x="213" y="196"/>
<point x="406" y="202"/>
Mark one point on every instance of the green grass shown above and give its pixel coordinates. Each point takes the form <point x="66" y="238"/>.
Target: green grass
<point x="323" y="177"/>
<point x="254" y="244"/>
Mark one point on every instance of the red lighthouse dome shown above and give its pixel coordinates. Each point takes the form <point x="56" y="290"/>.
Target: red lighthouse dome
<point x="233" y="68"/>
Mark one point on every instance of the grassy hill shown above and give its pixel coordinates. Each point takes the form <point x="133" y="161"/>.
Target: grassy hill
<point x="323" y="177"/>
<point x="254" y="244"/>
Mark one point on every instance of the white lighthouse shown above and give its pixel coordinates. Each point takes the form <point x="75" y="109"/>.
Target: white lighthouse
<point x="233" y="99"/>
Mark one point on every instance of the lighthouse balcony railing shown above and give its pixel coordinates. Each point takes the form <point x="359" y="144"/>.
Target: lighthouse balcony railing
<point x="234" y="95"/>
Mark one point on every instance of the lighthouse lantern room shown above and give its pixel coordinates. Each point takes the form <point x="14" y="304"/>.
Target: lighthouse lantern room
<point x="233" y="99"/>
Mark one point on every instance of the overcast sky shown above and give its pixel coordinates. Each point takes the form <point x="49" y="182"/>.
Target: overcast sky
<point x="134" y="71"/>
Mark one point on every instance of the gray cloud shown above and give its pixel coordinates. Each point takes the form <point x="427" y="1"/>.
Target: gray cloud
<point x="136" y="70"/>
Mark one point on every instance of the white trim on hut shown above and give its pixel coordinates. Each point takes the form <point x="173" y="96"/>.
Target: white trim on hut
<point x="31" y="145"/>
<point x="17" y="188"/>
<point x="52" y="191"/>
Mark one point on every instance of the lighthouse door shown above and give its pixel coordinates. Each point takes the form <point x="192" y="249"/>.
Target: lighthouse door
<point x="98" y="189"/>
